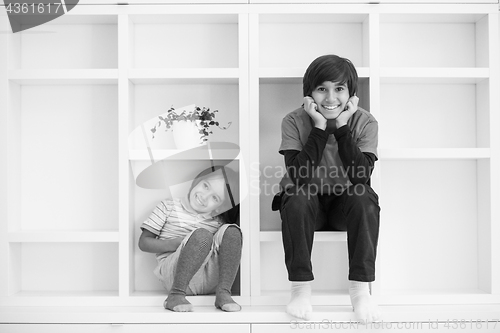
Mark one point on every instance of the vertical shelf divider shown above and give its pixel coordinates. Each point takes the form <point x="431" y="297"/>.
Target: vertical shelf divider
<point x="4" y="158"/>
<point x="124" y="247"/>
<point x="13" y="165"/>
<point x="244" y="162"/>
<point x="253" y="154"/>
<point x="494" y="64"/>
<point x="373" y="34"/>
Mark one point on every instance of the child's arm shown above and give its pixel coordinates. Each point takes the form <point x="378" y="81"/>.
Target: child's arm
<point x="359" y="165"/>
<point x="149" y="243"/>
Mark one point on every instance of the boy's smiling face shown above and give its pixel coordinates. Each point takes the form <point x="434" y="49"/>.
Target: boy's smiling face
<point x="331" y="98"/>
<point x="208" y="195"/>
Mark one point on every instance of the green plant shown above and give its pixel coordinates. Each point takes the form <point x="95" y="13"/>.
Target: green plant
<point x="202" y="117"/>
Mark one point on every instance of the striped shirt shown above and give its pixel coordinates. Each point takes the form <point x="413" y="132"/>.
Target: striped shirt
<point x="170" y="219"/>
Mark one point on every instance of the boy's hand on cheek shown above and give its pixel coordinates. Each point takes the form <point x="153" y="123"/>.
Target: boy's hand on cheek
<point x="351" y="108"/>
<point x="312" y="110"/>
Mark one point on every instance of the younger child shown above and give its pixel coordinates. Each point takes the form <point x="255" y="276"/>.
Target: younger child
<point x="197" y="253"/>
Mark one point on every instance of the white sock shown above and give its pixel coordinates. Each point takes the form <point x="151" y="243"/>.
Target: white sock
<point x="365" y="310"/>
<point x="300" y="302"/>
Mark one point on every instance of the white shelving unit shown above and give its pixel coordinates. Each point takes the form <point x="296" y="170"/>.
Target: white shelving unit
<point x="72" y="90"/>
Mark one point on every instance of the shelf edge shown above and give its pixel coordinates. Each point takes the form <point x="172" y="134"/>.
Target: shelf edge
<point x="434" y="153"/>
<point x="63" y="236"/>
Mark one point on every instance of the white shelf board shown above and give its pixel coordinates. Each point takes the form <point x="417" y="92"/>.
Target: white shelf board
<point x="422" y="297"/>
<point x="320" y="236"/>
<point x="420" y="292"/>
<point x="182" y="14"/>
<point x="156" y="298"/>
<point x="64" y="76"/>
<point x="161" y="2"/>
<point x="434" y="153"/>
<point x="351" y="15"/>
<point x="152" y="74"/>
<point x="66" y="299"/>
<point x="318" y="297"/>
<point x="415" y="11"/>
<point x="360" y="1"/>
<point x="443" y="14"/>
<point x="64" y="294"/>
<point x="172" y="154"/>
<point x="448" y="74"/>
<point x="248" y="314"/>
<point x="298" y="72"/>
<point x="63" y="236"/>
<point x="417" y="297"/>
<point x="86" y="15"/>
<point x="151" y="298"/>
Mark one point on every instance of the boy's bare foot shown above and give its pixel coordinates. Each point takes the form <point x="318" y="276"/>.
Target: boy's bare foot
<point x="300" y="302"/>
<point x="177" y="303"/>
<point x="365" y="310"/>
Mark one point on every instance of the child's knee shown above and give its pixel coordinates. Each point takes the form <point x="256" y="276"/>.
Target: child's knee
<point x="233" y="232"/>
<point x="299" y="200"/>
<point x="201" y="235"/>
<point x="364" y="197"/>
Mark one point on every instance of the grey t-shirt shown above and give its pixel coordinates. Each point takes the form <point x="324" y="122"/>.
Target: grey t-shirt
<point x="330" y="174"/>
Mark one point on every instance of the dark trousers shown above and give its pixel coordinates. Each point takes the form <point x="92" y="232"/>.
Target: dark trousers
<point x="356" y="211"/>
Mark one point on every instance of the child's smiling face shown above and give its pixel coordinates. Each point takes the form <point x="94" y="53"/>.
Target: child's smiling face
<point x="331" y="98"/>
<point x="208" y="195"/>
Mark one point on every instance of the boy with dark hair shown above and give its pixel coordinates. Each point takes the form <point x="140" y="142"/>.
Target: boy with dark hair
<point x="330" y="148"/>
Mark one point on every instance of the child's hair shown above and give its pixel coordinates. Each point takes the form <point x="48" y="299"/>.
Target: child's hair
<point x="232" y="182"/>
<point x="332" y="68"/>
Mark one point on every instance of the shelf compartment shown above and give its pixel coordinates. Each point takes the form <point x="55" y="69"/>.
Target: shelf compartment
<point x="177" y="183"/>
<point x="278" y="97"/>
<point x="434" y="40"/>
<point x="147" y="101"/>
<point x="330" y="268"/>
<point x="440" y="212"/>
<point x="43" y="269"/>
<point x="208" y="41"/>
<point x="63" y="157"/>
<point x="315" y="34"/>
<point x="431" y="113"/>
<point x="46" y="46"/>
